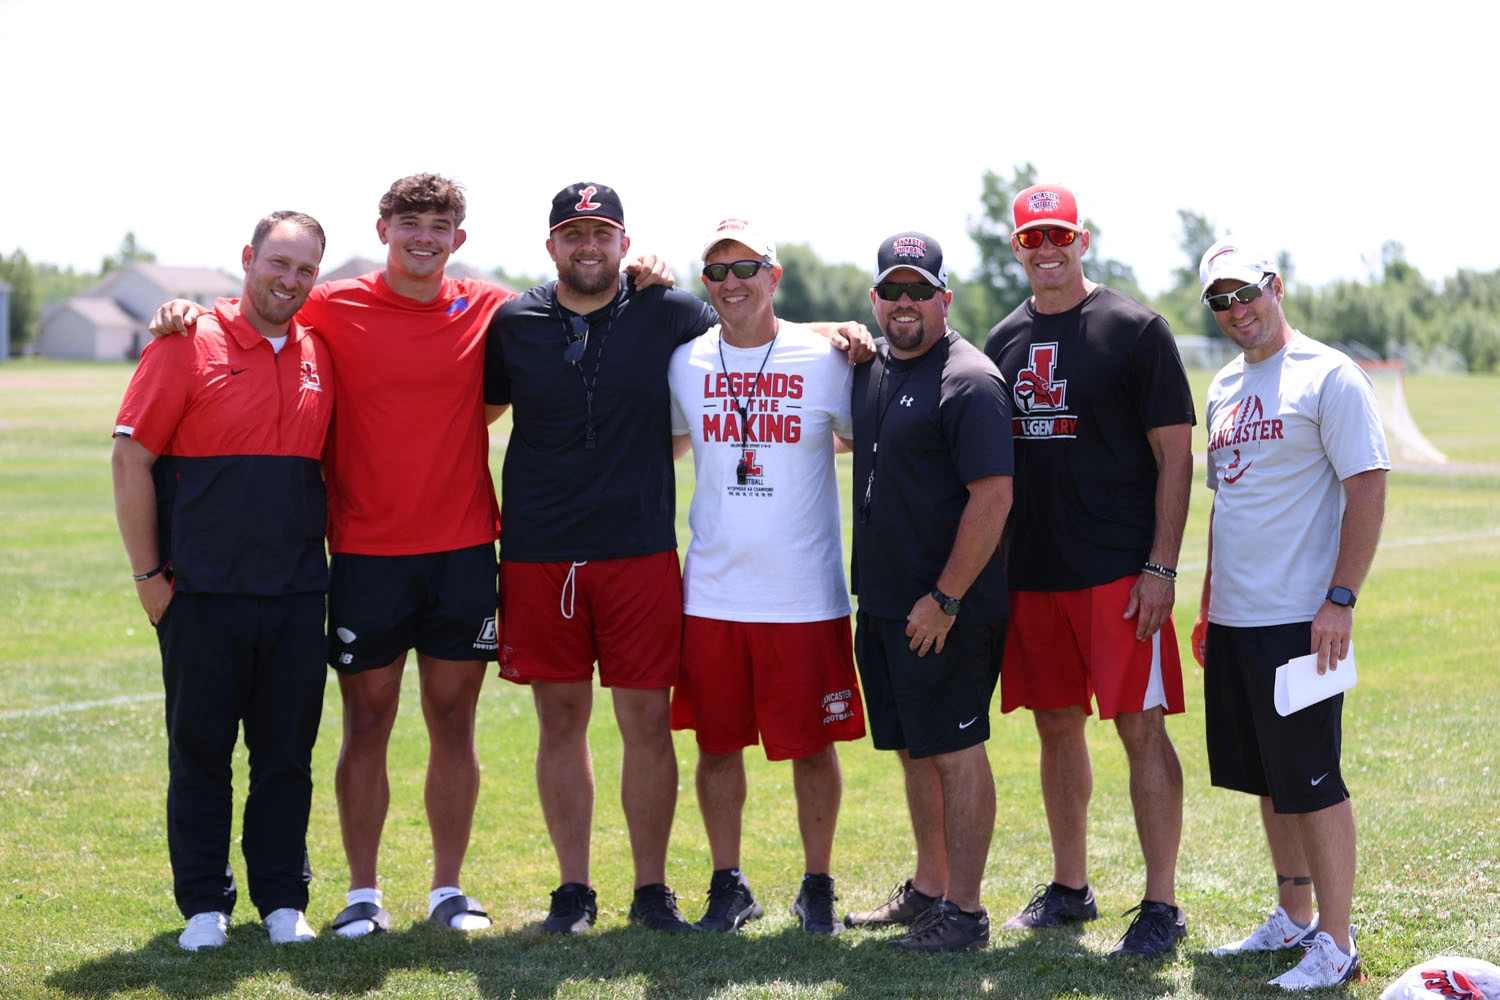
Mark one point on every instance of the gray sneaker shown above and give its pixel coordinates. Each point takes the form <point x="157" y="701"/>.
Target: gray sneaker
<point x="1053" y="907"/>
<point x="905" y="907"/>
<point x="947" y="928"/>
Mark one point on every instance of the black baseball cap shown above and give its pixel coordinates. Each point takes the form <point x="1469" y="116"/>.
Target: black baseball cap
<point x="586" y="200"/>
<point x="917" y="251"/>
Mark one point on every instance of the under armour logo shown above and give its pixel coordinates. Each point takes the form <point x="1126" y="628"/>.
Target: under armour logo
<point x="906" y="400"/>
<point x="586" y="201"/>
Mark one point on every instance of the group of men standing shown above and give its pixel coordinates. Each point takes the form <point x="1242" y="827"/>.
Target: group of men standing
<point x="1018" y="508"/>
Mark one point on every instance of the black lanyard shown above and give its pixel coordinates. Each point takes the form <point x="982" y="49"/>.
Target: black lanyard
<point x="885" y="362"/>
<point x="590" y="438"/>
<point x="742" y="471"/>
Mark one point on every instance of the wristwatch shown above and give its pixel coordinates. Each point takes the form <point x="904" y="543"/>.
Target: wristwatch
<point x="1342" y="596"/>
<point x="949" y="605"/>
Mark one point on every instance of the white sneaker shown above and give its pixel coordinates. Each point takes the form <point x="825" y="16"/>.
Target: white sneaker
<point x="209" y="929"/>
<point x="1325" y="964"/>
<point x="1279" y="931"/>
<point x="287" y="926"/>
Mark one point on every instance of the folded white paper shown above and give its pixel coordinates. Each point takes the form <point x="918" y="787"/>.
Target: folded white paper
<point x="1298" y="683"/>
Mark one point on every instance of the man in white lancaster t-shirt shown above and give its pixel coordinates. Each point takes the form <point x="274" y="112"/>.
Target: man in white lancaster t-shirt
<point x="1297" y="462"/>
<point x="767" y="654"/>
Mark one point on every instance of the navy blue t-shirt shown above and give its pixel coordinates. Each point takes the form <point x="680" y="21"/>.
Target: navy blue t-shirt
<point x="941" y="421"/>
<point x="566" y="495"/>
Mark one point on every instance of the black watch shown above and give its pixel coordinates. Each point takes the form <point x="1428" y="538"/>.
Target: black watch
<point x="1342" y="596"/>
<point x="949" y="605"/>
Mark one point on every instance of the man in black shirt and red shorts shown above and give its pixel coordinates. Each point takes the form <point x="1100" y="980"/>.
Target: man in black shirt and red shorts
<point x="932" y="488"/>
<point x="1102" y="426"/>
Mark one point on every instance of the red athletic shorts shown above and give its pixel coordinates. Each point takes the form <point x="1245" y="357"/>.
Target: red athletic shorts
<point x="1069" y="647"/>
<point x="563" y="617"/>
<point x="792" y="683"/>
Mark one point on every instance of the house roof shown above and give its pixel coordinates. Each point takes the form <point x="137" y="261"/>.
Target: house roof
<point x="177" y="282"/>
<point x="100" y="312"/>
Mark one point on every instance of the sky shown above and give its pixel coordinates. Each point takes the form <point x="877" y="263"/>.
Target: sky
<point x="1323" y="129"/>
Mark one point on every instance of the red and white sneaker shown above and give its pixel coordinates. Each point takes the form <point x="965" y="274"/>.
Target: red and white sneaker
<point x="1325" y="964"/>
<point x="1278" y="932"/>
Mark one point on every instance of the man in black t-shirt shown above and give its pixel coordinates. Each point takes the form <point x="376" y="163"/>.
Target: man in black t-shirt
<point x="1102" y="429"/>
<point x="588" y="546"/>
<point x="932" y="491"/>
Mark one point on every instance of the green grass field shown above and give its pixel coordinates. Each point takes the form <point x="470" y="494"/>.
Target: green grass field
<point x="85" y="900"/>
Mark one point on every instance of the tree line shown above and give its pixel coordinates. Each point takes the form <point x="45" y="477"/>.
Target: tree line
<point x="1396" y="311"/>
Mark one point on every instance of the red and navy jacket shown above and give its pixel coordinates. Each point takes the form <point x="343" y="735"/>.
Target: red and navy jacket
<point x="239" y="431"/>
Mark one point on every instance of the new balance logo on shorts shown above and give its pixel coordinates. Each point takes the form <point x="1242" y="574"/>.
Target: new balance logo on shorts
<point x="489" y="635"/>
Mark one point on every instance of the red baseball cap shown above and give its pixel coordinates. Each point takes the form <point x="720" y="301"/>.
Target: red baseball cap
<point x="1045" y="205"/>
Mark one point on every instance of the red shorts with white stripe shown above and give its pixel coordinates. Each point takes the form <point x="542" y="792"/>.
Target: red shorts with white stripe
<point x="562" y="617"/>
<point x="789" y="685"/>
<point x="1071" y="647"/>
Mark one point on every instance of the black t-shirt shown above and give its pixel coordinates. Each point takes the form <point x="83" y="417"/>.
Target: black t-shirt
<point x="941" y="421"/>
<point x="562" y="499"/>
<point x="1086" y="386"/>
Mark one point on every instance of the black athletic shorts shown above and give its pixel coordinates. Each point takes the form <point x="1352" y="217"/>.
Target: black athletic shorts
<point x="442" y="604"/>
<point x="930" y="704"/>
<point x="1293" y="759"/>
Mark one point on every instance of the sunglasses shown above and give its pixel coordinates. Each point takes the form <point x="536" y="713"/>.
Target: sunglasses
<point x="1032" y="238"/>
<point x="742" y="269"/>
<point x="917" y="291"/>
<point x="578" y="338"/>
<point x="1246" y="295"/>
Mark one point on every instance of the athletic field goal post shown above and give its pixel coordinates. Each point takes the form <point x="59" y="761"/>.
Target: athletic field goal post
<point x="1405" y="438"/>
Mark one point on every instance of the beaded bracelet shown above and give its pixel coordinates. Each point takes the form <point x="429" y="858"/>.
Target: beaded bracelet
<point x="1160" y="572"/>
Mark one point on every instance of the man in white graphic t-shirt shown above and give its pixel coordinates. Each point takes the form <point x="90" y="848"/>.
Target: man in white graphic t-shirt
<point x="767" y="655"/>
<point x="1296" y="454"/>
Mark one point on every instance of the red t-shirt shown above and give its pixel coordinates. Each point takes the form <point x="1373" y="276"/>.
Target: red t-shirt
<point x="408" y="459"/>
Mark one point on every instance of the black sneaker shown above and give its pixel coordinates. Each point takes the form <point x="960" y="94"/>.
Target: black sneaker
<point x="814" y="905"/>
<point x="574" y="909"/>
<point x="1155" y="929"/>
<point x="905" y="907"/>
<point x="730" y="903"/>
<point x="947" y="928"/>
<point x="1053" y="907"/>
<point x="655" y="907"/>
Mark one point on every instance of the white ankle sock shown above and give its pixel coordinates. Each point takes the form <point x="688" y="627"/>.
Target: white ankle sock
<point x="360" y="928"/>
<point x="460" y="921"/>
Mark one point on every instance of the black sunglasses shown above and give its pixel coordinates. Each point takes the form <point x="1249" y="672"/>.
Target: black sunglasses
<point x="917" y="291"/>
<point x="578" y="338"/>
<point x="742" y="269"/>
<point x="1246" y="294"/>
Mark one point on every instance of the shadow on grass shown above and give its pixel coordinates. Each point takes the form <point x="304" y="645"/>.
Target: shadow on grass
<point x="530" y="965"/>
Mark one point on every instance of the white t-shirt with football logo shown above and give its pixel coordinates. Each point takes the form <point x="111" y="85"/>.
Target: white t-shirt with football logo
<point x="770" y="549"/>
<point x="1282" y="436"/>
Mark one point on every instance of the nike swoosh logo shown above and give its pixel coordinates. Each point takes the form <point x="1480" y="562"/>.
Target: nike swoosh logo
<point x="238" y="371"/>
<point x="1319" y="779"/>
<point x="1289" y="940"/>
<point x="966" y="725"/>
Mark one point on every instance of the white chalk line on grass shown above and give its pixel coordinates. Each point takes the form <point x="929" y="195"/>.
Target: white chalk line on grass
<point x="1189" y="567"/>
<point x="1393" y="543"/>
<point x="80" y="706"/>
